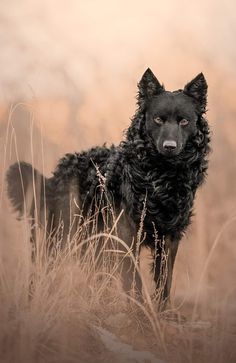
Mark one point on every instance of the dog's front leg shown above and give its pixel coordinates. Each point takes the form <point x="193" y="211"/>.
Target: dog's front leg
<point x="146" y="263"/>
<point x="164" y="260"/>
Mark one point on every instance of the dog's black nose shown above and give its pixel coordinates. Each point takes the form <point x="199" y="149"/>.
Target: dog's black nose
<point x="169" y="145"/>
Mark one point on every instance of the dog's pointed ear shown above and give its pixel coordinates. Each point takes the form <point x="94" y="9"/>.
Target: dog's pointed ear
<point x="197" y="89"/>
<point x="148" y="86"/>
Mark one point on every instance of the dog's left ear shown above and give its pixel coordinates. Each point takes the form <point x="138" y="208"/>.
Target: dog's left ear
<point x="148" y="87"/>
<point x="197" y="89"/>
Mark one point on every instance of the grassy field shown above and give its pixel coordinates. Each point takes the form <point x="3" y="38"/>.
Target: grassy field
<point x="51" y="311"/>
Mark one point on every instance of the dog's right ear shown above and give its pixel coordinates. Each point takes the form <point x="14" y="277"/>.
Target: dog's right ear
<point x="197" y="89"/>
<point x="148" y="87"/>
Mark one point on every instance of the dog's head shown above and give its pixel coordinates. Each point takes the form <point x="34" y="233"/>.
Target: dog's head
<point x="171" y="118"/>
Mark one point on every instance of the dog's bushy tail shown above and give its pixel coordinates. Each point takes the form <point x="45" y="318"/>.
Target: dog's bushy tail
<point x="37" y="198"/>
<point x="27" y="189"/>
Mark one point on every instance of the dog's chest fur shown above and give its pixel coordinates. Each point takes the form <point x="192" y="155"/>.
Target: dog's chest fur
<point x="162" y="192"/>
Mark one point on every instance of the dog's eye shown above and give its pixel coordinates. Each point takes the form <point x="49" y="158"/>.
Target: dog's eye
<point x="158" y="120"/>
<point x="184" y="122"/>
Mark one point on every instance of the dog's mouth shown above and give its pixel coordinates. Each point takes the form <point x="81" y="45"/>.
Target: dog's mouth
<point x="170" y="153"/>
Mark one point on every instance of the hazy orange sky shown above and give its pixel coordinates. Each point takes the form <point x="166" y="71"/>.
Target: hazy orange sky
<point x="94" y="52"/>
<point x="66" y="47"/>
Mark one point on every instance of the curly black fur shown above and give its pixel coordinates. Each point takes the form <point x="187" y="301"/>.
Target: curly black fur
<point x="135" y="171"/>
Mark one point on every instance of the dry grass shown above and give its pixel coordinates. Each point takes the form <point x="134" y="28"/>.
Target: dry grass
<point x="49" y="307"/>
<point x="49" y="310"/>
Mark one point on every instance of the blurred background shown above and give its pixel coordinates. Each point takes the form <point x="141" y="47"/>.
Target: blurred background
<point x="68" y="81"/>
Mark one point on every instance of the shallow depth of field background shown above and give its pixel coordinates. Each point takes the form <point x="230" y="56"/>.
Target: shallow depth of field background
<point x="69" y="71"/>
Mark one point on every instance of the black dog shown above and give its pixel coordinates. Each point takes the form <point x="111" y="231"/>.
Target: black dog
<point x="153" y="174"/>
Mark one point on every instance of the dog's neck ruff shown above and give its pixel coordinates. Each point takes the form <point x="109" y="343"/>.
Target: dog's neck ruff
<point x="165" y="187"/>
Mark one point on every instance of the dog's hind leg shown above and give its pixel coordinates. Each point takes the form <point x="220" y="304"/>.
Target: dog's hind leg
<point x="67" y="213"/>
